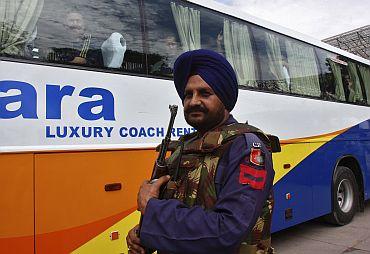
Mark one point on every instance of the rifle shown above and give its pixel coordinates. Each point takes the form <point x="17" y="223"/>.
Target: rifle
<point x="160" y="163"/>
<point x="160" y="168"/>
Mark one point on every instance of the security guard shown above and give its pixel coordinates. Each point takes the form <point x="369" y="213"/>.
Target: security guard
<point x="223" y="200"/>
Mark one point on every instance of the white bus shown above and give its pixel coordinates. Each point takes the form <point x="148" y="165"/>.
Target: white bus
<point x="84" y="94"/>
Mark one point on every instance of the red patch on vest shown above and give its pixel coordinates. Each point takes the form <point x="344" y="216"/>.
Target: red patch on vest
<point x="256" y="178"/>
<point x="256" y="157"/>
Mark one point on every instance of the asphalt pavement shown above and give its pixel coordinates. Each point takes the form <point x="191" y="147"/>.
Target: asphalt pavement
<point x="321" y="238"/>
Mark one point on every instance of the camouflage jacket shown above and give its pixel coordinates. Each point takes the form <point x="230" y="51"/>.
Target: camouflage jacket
<point x="203" y="176"/>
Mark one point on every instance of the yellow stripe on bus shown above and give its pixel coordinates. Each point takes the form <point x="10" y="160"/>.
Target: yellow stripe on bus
<point x="295" y="151"/>
<point x="102" y="242"/>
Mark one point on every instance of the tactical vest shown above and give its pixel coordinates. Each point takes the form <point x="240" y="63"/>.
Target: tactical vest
<point x="196" y="162"/>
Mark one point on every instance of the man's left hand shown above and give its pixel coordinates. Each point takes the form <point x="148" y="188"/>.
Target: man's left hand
<point x="133" y="242"/>
<point x="149" y="190"/>
<point x="79" y="60"/>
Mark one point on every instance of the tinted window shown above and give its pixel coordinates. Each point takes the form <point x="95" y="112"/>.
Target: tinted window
<point x="104" y="33"/>
<point x="365" y="76"/>
<point x="302" y="68"/>
<point x="353" y="84"/>
<point x="18" y="31"/>
<point x="187" y="20"/>
<point x="163" y="37"/>
<point x="286" y="65"/>
<point x="176" y="26"/>
<point x="238" y="42"/>
<point x="225" y="35"/>
<point x="274" y="74"/>
<point x="211" y="27"/>
<point x="330" y="76"/>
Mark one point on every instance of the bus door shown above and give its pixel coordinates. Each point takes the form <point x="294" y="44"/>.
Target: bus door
<point x="17" y="203"/>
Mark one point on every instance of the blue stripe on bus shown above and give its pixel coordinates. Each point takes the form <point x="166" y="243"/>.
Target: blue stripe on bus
<point x="309" y="183"/>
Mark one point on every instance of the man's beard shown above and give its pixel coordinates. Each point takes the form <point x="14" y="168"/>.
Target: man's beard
<point x="209" y="120"/>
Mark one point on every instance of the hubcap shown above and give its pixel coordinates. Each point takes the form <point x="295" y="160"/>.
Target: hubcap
<point x="345" y="195"/>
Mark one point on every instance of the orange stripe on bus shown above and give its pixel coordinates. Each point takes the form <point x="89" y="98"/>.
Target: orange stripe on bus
<point x="16" y="245"/>
<point x="65" y="241"/>
<point x="310" y="138"/>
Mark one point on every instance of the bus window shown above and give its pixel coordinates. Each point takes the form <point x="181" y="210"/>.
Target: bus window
<point x="326" y="76"/>
<point x="365" y="75"/>
<point x="187" y="20"/>
<point x="99" y="34"/>
<point x="237" y="40"/>
<point x="233" y="39"/>
<point x="164" y="44"/>
<point x="302" y="67"/>
<point x="336" y="69"/>
<point x="275" y="74"/>
<point x="18" y="27"/>
<point x="211" y="27"/>
<point x="75" y="44"/>
<point x="174" y="27"/>
<point x="353" y="85"/>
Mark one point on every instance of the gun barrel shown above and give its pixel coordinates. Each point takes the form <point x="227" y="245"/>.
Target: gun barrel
<point x="167" y="139"/>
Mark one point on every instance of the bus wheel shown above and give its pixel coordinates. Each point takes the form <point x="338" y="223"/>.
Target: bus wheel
<point x="344" y="196"/>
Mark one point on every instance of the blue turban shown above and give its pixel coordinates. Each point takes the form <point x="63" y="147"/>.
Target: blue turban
<point x="213" y="68"/>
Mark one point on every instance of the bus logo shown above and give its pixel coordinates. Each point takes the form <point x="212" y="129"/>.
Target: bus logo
<point x="27" y="98"/>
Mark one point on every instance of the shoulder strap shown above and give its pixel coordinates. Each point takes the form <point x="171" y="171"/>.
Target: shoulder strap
<point x="242" y="128"/>
<point x="216" y="138"/>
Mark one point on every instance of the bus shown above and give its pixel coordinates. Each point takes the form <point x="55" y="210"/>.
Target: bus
<point x="84" y="94"/>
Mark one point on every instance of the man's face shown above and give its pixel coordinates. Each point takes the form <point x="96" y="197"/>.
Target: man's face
<point x="171" y="45"/>
<point x="202" y="108"/>
<point x="75" y="23"/>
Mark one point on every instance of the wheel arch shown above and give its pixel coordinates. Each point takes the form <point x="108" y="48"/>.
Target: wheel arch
<point x="352" y="163"/>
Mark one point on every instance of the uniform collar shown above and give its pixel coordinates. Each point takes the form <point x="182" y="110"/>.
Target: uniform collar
<point x="230" y="120"/>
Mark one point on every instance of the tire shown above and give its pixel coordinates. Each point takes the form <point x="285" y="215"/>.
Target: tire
<point x="345" y="197"/>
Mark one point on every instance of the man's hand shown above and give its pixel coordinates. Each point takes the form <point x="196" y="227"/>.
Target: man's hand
<point x="133" y="242"/>
<point x="219" y="38"/>
<point x="149" y="190"/>
<point x="79" y="60"/>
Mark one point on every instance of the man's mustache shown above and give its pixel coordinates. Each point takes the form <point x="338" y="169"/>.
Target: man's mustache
<point x="196" y="109"/>
<point x="76" y="27"/>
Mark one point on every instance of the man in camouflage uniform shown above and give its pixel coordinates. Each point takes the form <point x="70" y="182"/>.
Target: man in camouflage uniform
<point x="222" y="202"/>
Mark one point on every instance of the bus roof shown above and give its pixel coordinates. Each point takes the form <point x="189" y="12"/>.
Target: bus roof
<point x="275" y="27"/>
